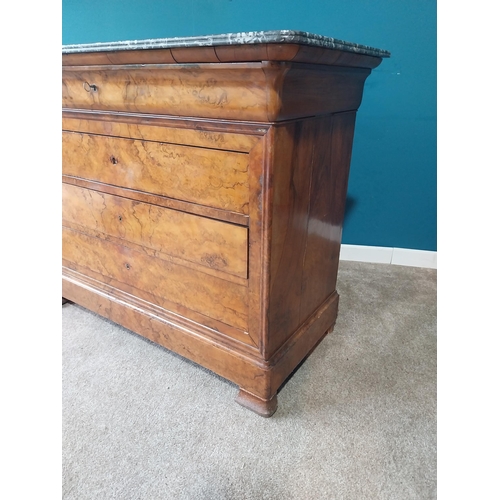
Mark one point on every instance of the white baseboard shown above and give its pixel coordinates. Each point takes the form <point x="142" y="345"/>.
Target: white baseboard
<point x="388" y="255"/>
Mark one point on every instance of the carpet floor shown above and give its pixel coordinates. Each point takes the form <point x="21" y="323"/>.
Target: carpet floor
<point x="356" y="421"/>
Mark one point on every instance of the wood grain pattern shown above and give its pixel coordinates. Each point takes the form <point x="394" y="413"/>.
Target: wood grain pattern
<point x="182" y="123"/>
<point x="301" y="90"/>
<point x="311" y="166"/>
<point x="167" y="310"/>
<point x="259" y="379"/>
<point x="188" y="341"/>
<point x="263" y="92"/>
<point x="204" y="176"/>
<point x="161" y="201"/>
<point x="204" y="199"/>
<point x="302" y="343"/>
<point x="209" y="243"/>
<point x="134" y="272"/>
<point x="154" y="129"/>
<point x="208" y="90"/>
<point x="258" y="241"/>
<point x="330" y="172"/>
<point x="293" y="149"/>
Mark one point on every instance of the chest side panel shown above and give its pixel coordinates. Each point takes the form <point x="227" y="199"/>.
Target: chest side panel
<point x="310" y="171"/>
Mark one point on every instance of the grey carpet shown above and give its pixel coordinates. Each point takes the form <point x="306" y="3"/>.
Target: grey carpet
<point x="356" y="421"/>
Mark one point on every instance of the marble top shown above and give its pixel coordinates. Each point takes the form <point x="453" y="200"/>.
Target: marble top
<point x="250" y="37"/>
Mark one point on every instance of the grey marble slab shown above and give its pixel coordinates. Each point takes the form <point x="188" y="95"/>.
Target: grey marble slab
<point x="247" y="38"/>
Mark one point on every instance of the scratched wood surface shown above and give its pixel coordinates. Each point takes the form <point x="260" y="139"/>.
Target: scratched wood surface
<point x="210" y="243"/>
<point x="204" y="176"/>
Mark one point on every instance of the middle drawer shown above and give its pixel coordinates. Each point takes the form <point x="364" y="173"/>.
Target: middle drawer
<point x="210" y="177"/>
<point x="213" y="244"/>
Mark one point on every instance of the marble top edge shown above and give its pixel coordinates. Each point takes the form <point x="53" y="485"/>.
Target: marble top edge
<point x="250" y="37"/>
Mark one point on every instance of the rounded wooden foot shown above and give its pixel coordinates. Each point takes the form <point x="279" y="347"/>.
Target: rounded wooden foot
<point x="264" y="408"/>
<point x="330" y="330"/>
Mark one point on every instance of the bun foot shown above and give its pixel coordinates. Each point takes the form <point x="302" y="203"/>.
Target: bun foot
<point x="330" y="330"/>
<point x="263" y="407"/>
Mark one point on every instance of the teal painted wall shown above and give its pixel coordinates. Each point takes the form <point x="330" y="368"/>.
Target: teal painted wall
<point x="392" y="188"/>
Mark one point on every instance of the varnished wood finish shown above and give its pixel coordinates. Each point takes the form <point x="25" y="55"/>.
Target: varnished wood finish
<point x="193" y="340"/>
<point x="166" y="311"/>
<point x="161" y="129"/>
<point x="162" y="56"/>
<point x="263" y="407"/>
<point x="262" y="92"/>
<point x="190" y="238"/>
<point x="226" y="53"/>
<point x="205" y="176"/>
<point x="203" y="199"/>
<point x="162" y="201"/>
<point x="137" y="273"/>
<point x="215" y="90"/>
<point x="311" y="165"/>
<point x="301" y="91"/>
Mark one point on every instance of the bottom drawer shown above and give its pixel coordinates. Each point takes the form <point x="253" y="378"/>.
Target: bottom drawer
<point x="174" y="287"/>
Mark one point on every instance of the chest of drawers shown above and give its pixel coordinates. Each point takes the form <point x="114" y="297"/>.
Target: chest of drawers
<point x="204" y="184"/>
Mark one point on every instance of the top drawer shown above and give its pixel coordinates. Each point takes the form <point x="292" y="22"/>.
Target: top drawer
<point x="228" y="91"/>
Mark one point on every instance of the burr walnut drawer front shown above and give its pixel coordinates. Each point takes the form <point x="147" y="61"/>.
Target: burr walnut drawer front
<point x="206" y="90"/>
<point x="199" y="242"/>
<point x="204" y="298"/>
<point x="204" y="176"/>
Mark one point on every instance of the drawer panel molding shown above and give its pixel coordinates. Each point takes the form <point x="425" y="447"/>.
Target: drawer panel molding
<point x="204" y="176"/>
<point x="135" y="273"/>
<point x="210" y="243"/>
